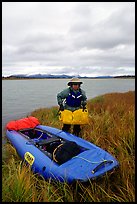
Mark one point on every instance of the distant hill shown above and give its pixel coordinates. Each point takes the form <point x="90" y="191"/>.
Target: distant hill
<point x="62" y="76"/>
<point x="125" y="76"/>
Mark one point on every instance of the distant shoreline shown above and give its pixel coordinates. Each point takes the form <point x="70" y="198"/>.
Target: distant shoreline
<point x="27" y="78"/>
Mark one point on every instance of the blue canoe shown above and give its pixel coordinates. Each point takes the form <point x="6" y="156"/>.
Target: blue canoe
<point x="90" y="162"/>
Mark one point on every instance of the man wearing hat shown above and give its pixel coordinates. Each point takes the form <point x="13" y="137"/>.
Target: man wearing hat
<point x="72" y="98"/>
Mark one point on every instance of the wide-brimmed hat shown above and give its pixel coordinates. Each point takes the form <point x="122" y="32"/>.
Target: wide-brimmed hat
<point x="74" y="81"/>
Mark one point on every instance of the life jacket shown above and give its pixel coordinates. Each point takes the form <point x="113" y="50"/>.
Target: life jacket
<point x="74" y="99"/>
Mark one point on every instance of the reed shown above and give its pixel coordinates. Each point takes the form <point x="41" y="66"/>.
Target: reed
<point x="112" y="127"/>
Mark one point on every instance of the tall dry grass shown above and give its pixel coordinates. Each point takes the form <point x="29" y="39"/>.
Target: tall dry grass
<point x="112" y="127"/>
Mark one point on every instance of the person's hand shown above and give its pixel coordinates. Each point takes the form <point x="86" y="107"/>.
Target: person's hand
<point x="61" y="108"/>
<point x="83" y="107"/>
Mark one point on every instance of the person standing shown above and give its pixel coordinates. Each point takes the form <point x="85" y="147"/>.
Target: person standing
<point x="72" y="98"/>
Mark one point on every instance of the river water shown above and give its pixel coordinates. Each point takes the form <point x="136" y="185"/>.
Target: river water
<point x="21" y="97"/>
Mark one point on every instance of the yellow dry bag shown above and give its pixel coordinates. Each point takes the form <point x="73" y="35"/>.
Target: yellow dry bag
<point x="77" y="117"/>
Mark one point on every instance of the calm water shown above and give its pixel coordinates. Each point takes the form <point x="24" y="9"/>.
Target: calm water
<point x="21" y="97"/>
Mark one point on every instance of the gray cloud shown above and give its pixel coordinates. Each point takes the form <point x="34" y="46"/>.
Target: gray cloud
<point x="88" y="38"/>
<point x="117" y="29"/>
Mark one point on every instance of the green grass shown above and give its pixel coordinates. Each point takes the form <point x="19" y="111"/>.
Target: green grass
<point x="112" y="127"/>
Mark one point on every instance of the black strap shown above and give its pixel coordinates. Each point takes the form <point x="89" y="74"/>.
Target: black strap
<point x="101" y="164"/>
<point x="47" y="141"/>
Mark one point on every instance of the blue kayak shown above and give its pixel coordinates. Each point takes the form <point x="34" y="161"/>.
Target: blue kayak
<point x="60" y="155"/>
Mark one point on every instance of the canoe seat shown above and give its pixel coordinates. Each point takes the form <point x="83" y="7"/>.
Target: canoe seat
<point x="47" y="141"/>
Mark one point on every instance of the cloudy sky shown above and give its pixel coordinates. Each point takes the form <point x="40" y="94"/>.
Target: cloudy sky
<point x="74" y="38"/>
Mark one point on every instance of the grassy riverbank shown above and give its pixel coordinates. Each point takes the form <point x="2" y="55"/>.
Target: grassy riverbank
<point x="112" y="127"/>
